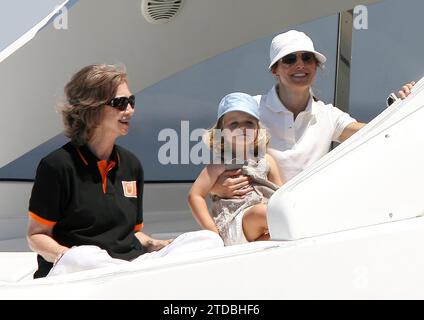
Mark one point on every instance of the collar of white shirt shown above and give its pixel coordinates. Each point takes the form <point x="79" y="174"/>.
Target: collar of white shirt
<point x="274" y="103"/>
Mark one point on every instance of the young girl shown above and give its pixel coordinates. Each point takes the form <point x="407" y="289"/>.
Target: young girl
<point x="242" y="219"/>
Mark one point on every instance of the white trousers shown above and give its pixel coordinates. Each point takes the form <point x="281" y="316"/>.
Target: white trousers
<point x="92" y="257"/>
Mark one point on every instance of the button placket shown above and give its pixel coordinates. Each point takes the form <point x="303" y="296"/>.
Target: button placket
<point x="290" y="129"/>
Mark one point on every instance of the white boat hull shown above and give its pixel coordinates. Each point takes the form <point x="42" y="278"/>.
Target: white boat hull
<point x="378" y="262"/>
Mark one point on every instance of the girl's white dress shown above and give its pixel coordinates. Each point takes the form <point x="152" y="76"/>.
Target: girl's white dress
<point x="228" y="213"/>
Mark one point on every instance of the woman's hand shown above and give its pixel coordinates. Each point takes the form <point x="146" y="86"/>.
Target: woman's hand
<point x="156" y="244"/>
<point x="151" y="244"/>
<point x="231" y="184"/>
<point x="405" y="90"/>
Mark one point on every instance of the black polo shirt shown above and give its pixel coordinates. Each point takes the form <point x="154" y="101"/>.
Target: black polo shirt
<point x="89" y="201"/>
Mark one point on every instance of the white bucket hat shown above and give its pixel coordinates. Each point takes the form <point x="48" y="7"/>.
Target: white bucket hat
<point x="289" y="42"/>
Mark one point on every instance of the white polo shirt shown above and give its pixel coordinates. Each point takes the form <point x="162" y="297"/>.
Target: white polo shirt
<point x="296" y="144"/>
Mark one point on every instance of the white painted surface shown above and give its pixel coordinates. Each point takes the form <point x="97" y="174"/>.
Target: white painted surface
<point x="378" y="262"/>
<point x="30" y="34"/>
<point x="203" y="29"/>
<point x="374" y="177"/>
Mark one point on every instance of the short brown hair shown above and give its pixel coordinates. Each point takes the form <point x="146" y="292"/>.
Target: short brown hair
<point x="88" y="91"/>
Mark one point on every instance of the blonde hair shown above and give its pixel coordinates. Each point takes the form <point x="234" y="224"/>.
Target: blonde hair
<point x="88" y="91"/>
<point x="217" y="143"/>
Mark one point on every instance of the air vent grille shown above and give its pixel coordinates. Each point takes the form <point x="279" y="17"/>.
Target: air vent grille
<point x="160" y="11"/>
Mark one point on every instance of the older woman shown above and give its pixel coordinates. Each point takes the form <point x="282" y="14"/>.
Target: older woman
<point x="90" y="191"/>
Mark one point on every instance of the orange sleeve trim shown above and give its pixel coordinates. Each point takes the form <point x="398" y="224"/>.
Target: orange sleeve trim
<point x="41" y="220"/>
<point x="138" y="227"/>
<point x="104" y="168"/>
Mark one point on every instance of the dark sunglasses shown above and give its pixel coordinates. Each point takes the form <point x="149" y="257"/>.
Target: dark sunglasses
<point x="291" y="58"/>
<point x="121" y="103"/>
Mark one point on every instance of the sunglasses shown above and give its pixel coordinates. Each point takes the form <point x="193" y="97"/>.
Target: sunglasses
<point x="291" y="58"/>
<point x="121" y="103"/>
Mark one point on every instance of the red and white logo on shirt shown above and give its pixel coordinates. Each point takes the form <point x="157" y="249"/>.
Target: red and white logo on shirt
<point x="130" y="189"/>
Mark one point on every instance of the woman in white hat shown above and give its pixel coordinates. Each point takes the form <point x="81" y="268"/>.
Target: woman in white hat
<point x="301" y="127"/>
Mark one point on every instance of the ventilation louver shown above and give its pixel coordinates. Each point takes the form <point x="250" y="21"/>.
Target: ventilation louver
<point x="160" y="11"/>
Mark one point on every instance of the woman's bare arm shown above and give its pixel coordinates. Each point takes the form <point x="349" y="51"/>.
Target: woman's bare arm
<point x="40" y="240"/>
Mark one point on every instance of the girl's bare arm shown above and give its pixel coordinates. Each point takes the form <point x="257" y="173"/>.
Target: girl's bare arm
<point x="198" y="193"/>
